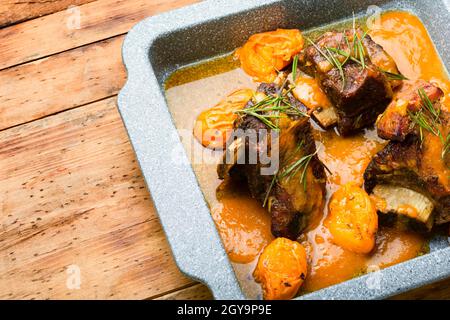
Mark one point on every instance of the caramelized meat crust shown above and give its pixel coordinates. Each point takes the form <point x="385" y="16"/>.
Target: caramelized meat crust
<point x="295" y="198"/>
<point x="416" y="165"/>
<point x="360" y="94"/>
<point x="395" y="123"/>
<point x="287" y="199"/>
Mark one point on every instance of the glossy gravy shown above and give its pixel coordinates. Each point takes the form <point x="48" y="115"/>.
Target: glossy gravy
<point x="243" y="224"/>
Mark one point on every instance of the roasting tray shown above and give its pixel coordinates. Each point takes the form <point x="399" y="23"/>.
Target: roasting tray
<point x="157" y="46"/>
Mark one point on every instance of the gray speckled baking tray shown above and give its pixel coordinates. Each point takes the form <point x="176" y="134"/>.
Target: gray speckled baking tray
<point x="159" y="45"/>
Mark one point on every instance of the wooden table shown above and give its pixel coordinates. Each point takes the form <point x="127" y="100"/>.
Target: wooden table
<point x="73" y="201"/>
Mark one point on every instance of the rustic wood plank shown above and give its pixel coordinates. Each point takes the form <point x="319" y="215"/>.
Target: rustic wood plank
<point x="60" y="82"/>
<point x="55" y="33"/>
<point x="195" y="292"/>
<point x="13" y="11"/>
<point x="72" y="194"/>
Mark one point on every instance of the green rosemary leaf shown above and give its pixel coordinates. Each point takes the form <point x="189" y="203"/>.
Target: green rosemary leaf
<point x="348" y="56"/>
<point x="338" y="65"/>
<point x="303" y="176"/>
<point x="294" y="68"/>
<point x="274" y="179"/>
<point x="426" y="103"/>
<point x="424" y="122"/>
<point x="446" y="147"/>
<point x="295" y="167"/>
<point x="344" y="54"/>
<point x="361" y="52"/>
<point x="392" y="75"/>
<point x="264" y="119"/>
<point x="272" y="107"/>
<point x="320" y="50"/>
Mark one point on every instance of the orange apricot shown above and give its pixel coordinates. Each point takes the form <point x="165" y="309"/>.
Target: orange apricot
<point x="266" y="53"/>
<point x="281" y="269"/>
<point x="352" y="219"/>
<point x="213" y="126"/>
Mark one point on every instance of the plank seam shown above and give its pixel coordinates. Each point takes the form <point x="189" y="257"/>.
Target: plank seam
<point x="63" y="51"/>
<point x="186" y="286"/>
<point x="7" y="25"/>
<point x="58" y="112"/>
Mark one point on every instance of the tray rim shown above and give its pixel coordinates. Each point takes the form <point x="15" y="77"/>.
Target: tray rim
<point x="141" y="89"/>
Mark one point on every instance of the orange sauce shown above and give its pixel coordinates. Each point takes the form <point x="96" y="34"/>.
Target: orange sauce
<point x="347" y="158"/>
<point x="243" y="223"/>
<point x="433" y="162"/>
<point x="405" y="38"/>
<point x="245" y="226"/>
<point x="394" y="246"/>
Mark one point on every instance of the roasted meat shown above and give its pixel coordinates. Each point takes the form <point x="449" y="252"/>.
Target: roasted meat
<point x="296" y="190"/>
<point x="360" y="91"/>
<point x="396" y="123"/>
<point x="411" y="177"/>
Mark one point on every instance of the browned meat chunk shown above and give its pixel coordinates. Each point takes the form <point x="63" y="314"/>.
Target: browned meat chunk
<point x="297" y="190"/>
<point x="360" y="91"/>
<point x="395" y="123"/>
<point x="411" y="177"/>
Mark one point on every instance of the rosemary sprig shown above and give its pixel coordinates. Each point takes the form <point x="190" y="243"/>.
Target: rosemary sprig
<point x="348" y="46"/>
<point x="295" y="167"/>
<point x="427" y="118"/>
<point x="274" y="179"/>
<point x="358" y="48"/>
<point x="320" y="50"/>
<point x="263" y="118"/>
<point x="275" y="176"/>
<point x="392" y="75"/>
<point x="361" y="50"/>
<point x="294" y="68"/>
<point x="338" y="65"/>
<point x="426" y="102"/>
<point x="330" y="58"/>
<point x="272" y="107"/>
<point x="424" y="122"/>
<point x="446" y="147"/>
<point x="389" y="75"/>
<point x="344" y="54"/>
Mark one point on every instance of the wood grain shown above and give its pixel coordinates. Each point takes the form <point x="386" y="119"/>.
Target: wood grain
<point x="72" y="194"/>
<point x="13" y="11"/>
<point x="195" y="292"/>
<point x="55" y="33"/>
<point x="73" y="78"/>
